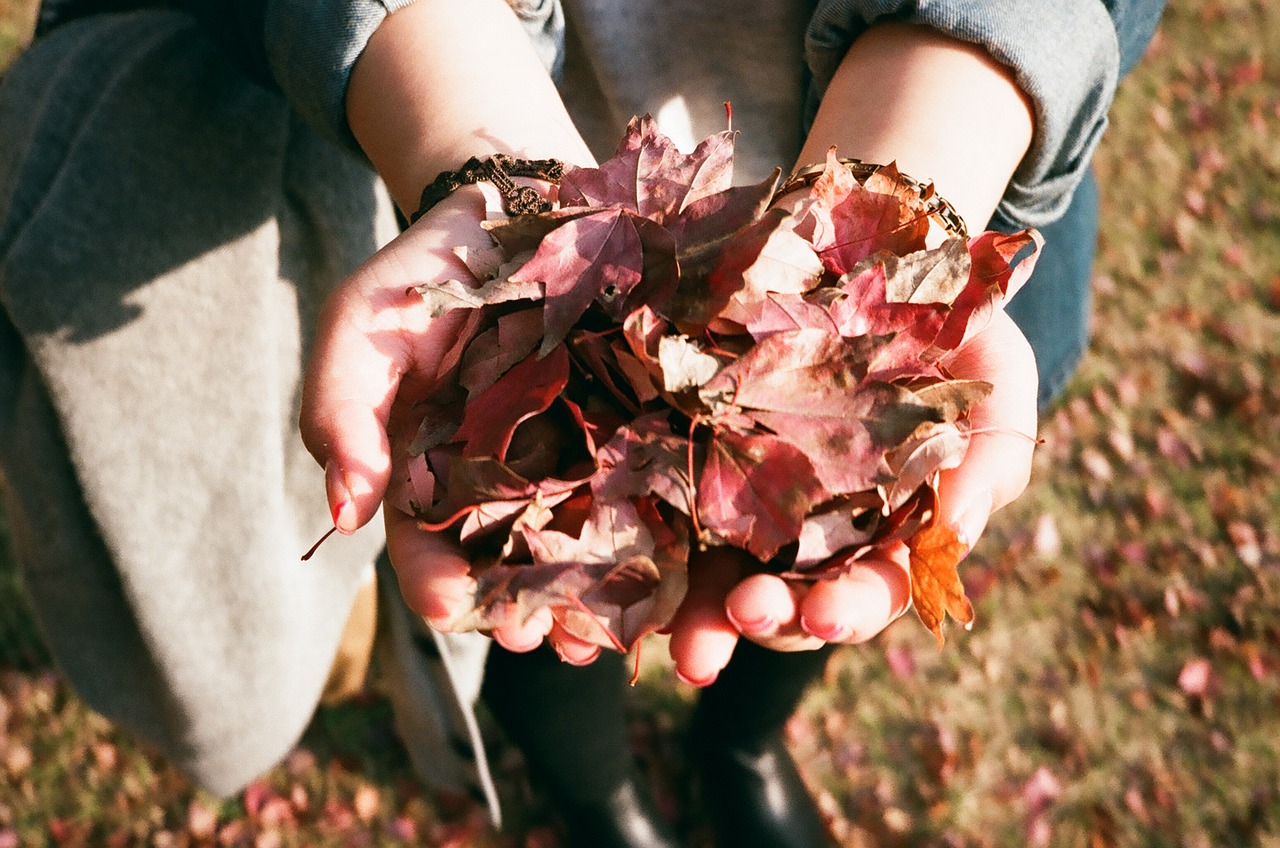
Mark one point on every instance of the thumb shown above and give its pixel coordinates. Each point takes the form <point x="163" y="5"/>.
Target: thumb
<point x="375" y="342"/>
<point x="997" y="464"/>
<point x="351" y="381"/>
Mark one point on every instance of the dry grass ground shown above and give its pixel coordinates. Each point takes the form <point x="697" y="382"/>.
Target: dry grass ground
<point x="1122" y="685"/>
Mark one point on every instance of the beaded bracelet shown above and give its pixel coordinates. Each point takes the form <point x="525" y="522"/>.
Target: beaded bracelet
<point x="935" y="205"/>
<point x="499" y="170"/>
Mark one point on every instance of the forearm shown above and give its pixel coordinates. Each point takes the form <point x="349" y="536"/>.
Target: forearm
<point x="943" y="109"/>
<point x="445" y="80"/>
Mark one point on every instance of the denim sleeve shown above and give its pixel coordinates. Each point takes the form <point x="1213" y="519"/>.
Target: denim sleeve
<point x="1065" y="56"/>
<point x="312" y="45"/>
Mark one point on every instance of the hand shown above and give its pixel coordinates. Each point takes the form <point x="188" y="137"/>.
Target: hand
<point x="376" y="353"/>
<point x="722" y="605"/>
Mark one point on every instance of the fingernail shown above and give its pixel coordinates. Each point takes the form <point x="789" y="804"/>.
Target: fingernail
<point x="755" y="625"/>
<point x="344" y="517"/>
<point x="706" y="681"/>
<point x="438" y="615"/>
<point x="515" y="647"/>
<point x="440" y="623"/>
<point x="973" y="520"/>
<point x="581" y="661"/>
<point x="828" y="632"/>
<point x="339" y="493"/>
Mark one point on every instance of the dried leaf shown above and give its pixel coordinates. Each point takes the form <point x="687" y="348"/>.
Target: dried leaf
<point x="755" y="491"/>
<point x="848" y="222"/>
<point x="684" y="365"/>
<point x="442" y="298"/>
<point x="936" y="590"/>
<point x="664" y="355"/>
<point x="589" y="257"/>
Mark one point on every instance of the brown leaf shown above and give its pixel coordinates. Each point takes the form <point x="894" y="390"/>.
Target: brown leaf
<point x="928" y="276"/>
<point x="441" y="298"/>
<point x="933" y="447"/>
<point x="936" y="589"/>
<point x="645" y="457"/>
<point x="493" y="352"/>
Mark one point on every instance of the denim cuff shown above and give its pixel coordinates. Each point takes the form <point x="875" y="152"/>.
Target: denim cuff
<point x="1064" y="56"/>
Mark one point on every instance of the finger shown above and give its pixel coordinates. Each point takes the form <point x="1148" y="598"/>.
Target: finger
<point x="702" y="637"/>
<point x="858" y="605"/>
<point x="761" y="605"/>
<point x="373" y="338"/>
<point x="570" y="648"/>
<point x="351" y="380"/>
<point x="997" y="464"/>
<point x="766" y="610"/>
<point x="435" y="578"/>
<point x="523" y="636"/>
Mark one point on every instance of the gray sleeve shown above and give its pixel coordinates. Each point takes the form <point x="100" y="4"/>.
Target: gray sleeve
<point x="1064" y="56"/>
<point x="312" y="45"/>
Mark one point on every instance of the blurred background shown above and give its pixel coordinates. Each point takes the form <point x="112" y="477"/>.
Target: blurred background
<point x="1121" y="686"/>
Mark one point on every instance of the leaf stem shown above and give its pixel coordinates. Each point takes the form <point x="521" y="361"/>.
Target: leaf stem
<point x="693" y="486"/>
<point x="1008" y="430"/>
<point x="444" y="525"/>
<point x="318" y="543"/>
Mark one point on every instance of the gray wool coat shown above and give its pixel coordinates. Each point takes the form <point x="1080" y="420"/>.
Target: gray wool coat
<point x="168" y="231"/>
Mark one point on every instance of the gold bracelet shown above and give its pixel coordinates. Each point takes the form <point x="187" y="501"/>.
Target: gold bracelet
<point x="937" y="207"/>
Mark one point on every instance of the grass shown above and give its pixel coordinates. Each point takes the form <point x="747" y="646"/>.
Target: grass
<point x="1122" y="685"/>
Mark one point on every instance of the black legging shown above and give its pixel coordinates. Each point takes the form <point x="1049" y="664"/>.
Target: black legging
<point x="569" y="720"/>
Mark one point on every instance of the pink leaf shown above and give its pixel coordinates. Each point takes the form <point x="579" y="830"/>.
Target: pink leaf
<point x="755" y="490"/>
<point x="650" y="176"/>
<point x="806" y="371"/>
<point x="527" y="389"/>
<point x="847" y="222"/>
<point x="597" y="255"/>
<point x="992" y="282"/>
<point x="1196" y="678"/>
<point x="645" y="458"/>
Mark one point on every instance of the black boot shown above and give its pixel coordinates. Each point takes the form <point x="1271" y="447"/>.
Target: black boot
<point x="624" y="818"/>
<point x="569" y="723"/>
<point x="751" y="788"/>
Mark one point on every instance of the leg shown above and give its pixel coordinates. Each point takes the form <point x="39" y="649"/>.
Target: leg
<point x="569" y="723"/>
<point x="750" y="783"/>
<point x="1052" y="310"/>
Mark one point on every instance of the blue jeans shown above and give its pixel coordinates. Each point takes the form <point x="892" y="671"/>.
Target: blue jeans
<point x="1053" y="308"/>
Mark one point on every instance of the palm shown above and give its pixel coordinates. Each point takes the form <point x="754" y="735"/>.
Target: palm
<point x="723" y="604"/>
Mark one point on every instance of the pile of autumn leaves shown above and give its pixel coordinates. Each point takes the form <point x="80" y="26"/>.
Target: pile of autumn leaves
<point x="665" y="362"/>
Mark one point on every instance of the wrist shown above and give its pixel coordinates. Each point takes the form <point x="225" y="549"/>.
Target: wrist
<point x="523" y="185"/>
<point x="944" y="110"/>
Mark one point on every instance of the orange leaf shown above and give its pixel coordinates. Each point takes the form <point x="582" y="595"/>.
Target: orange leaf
<point x="935" y="584"/>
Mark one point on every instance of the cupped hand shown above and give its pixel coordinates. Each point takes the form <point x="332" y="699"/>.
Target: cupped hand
<point x="725" y="602"/>
<point x="377" y="352"/>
